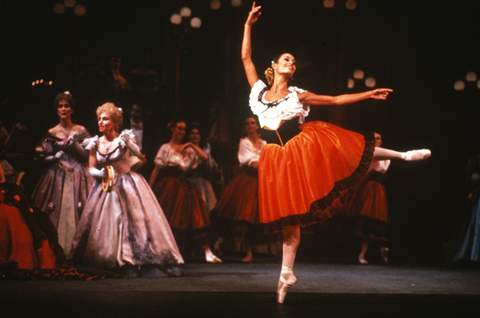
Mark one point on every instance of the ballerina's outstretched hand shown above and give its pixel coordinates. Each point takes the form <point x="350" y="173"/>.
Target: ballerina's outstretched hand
<point x="254" y="14"/>
<point x="381" y="93"/>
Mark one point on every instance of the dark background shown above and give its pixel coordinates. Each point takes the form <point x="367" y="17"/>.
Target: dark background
<point x="418" y="48"/>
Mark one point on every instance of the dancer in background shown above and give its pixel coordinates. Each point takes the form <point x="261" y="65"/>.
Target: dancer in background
<point x="237" y="210"/>
<point x="184" y="207"/>
<point x="303" y="178"/>
<point x="28" y="240"/>
<point x="123" y="227"/>
<point x="464" y="245"/>
<point x="367" y="206"/>
<point x="62" y="190"/>
<point x="203" y="174"/>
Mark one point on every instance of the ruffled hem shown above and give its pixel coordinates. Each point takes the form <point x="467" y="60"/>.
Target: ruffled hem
<point x="370" y="229"/>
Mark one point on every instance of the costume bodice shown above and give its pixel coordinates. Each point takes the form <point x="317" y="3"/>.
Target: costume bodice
<point x="51" y="144"/>
<point x="118" y="158"/>
<point x="167" y="156"/>
<point x="271" y="114"/>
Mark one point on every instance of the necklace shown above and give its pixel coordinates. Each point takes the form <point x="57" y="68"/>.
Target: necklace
<point x="270" y="104"/>
<point x="107" y="144"/>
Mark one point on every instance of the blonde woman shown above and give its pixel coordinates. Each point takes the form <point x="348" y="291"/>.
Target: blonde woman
<point x="123" y="227"/>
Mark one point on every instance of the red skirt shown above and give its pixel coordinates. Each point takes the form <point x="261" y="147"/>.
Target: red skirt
<point x="239" y="201"/>
<point x="367" y="208"/>
<point x="17" y="245"/>
<point x="183" y="206"/>
<point x="306" y="180"/>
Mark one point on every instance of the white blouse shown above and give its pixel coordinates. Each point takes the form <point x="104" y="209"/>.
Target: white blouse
<point x="167" y="156"/>
<point x="248" y="153"/>
<point x="380" y="165"/>
<point x="271" y="114"/>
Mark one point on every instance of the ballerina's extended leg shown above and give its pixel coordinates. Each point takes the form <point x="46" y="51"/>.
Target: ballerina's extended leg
<point x="412" y="155"/>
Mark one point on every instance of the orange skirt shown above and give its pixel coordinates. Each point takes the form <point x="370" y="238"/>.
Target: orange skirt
<point x="306" y="180"/>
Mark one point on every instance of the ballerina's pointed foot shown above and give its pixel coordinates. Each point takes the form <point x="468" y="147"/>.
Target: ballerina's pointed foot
<point x="416" y="155"/>
<point x="287" y="280"/>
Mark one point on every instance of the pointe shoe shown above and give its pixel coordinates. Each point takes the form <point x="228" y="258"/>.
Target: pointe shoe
<point x="211" y="258"/>
<point x="362" y="260"/>
<point x="384" y="254"/>
<point x="286" y="283"/>
<point x="416" y="155"/>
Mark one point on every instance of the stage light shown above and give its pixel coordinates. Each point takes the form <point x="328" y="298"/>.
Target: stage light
<point x="350" y="83"/>
<point x="459" y="85"/>
<point x="328" y="4"/>
<point x="215" y="4"/>
<point x="185" y="12"/>
<point x="196" y="23"/>
<point x="471" y="77"/>
<point x="358" y="74"/>
<point x="58" y="8"/>
<point x="370" y="82"/>
<point x="80" y="10"/>
<point x="351" y="4"/>
<point x="176" y="18"/>
<point x="236" y="3"/>
<point x="69" y="3"/>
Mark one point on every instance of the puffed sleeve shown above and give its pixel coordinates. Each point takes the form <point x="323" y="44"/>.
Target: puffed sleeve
<point x="190" y="159"/>
<point x="90" y="143"/>
<point x="161" y="159"/>
<point x="254" y="94"/>
<point x="130" y="135"/>
<point x="45" y="148"/>
<point x="246" y="153"/>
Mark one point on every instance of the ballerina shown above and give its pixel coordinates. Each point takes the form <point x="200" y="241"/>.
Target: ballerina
<point x="305" y="174"/>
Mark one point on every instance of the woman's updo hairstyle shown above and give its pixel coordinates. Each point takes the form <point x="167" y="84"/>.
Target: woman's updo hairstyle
<point x="269" y="74"/>
<point x="63" y="96"/>
<point x="116" y="113"/>
<point x="173" y="123"/>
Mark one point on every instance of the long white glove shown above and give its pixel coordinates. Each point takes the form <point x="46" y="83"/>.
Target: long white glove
<point x="55" y="157"/>
<point x="97" y="173"/>
<point x="73" y="143"/>
<point x="134" y="149"/>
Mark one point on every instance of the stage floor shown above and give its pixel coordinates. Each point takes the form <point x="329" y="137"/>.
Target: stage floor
<point x="234" y="289"/>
